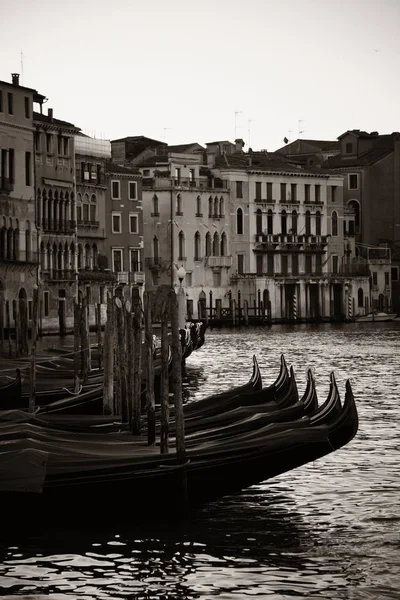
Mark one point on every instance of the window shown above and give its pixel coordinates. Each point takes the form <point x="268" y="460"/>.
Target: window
<point x="155" y="212"/>
<point x="65" y="146"/>
<point x="46" y="300"/>
<point x="116" y="223"/>
<point x="283" y="192"/>
<point x="258" y="221"/>
<point x="240" y="263"/>
<point x="86" y="212"/>
<point x="360" y="298"/>
<point x="177" y="175"/>
<point x="155" y="249"/>
<point x="88" y="294"/>
<point x="308" y="265"/>
<point x="28" y="168"/>
<point x="270" y="264"/>
<point x="208" y="244"/>
<point x="146" y="172"/>
<point x="216" y="278"/>
<point x="239" y="189"/>
<point x="334" y="223"/>
<point x="10" y="103"/>
<point x="115" y="190"/>
<point x="221" y="207"/>
<point x="395" y="273"/>
<point x="59" y="144"/>
<point x="355" y="207"/>
<point x="102" y="294"/>
<point x="293" y="192"/>
<point x="270" y="222"/>
<point x="79" y="212"/>
<point x="295" y="264"/>
<point x="318" y="264"/>
<point x="349" y="148"/>
<point x="133" y="223"/>
<point x="30" y="309"/>
<point x="269" y="190"/>
<point x="98" y="173"/>
<point x="258" y="190"/>
<point x="49" y="143"/>
<point x="134" y="258"/>
<point x="294" y="222"/>
<point x="179" y="205"/>
<point x="318" y="223"/>
<point x="132" y="190"/>
<point x="284" y="264"/>
<point x="224" y="244"/>
<point x="216" y="247"/>
<point x="37" y="141"/>
<point x="333" y="193"/>
<point x="1" y="101"/>
<point x="191" y="176"/>
<point x="307" y="192"/>
<point x="353" y="181"/>
<point x="387" y="282"/>
<point x="210" y="207"/>
<point x="197" y="251"/>
<point x="11" y="165"/>
<point x="317" y="194"/>
<point x="239" y="221"/>
<point x="198" y="207"/>
<point x="188" y="279"/>
<point x="284" y="223"/>
<point x="27" y="107"/>
<point x="308" y="223"/>
<point x="335" y="264"/>
<point x="93" y="213"/>
<point x="117" y="260"/>
<point x="181" y="246"/>
<point x="375" y="278"/>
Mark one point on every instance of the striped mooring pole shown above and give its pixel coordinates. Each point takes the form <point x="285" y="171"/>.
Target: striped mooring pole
<point x="294" y="306"/>
<point x="350" y="306"/>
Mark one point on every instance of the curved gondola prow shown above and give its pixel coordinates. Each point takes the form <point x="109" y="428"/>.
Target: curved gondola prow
<point x="10" y="393"/>
<point x="346" y="426"/>
<point x="310" y="397"/>
<point x="256" y="378"/>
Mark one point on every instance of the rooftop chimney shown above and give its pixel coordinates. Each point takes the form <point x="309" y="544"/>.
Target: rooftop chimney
<point x="239" y="143"/>
<point x="15" y="78"/>
<point x="50" y="113"/>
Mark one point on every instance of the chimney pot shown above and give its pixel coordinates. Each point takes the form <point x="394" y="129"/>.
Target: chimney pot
<point x="15" y="78"/>
<point x="50" y="113"/>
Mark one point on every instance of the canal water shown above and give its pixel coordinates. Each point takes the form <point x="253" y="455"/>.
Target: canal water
<point x="328" y="530"/>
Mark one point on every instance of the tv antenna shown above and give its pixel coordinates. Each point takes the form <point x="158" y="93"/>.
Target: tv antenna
<point x="165" y="135"/>
<point x="22" y="68"/>
<point x="237" y="112"/>
<point x="249" y="130"/>
<point x="300" y="130"/>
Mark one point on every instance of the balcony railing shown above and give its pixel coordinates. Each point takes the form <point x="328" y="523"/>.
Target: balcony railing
<point x="88" y="223"/>
<point x="265" y="200"/>
<point x="218" y="261"/>
<point x="67" y="226"/>
<point x="19" y="257"/>
<point x="6" y="185"/>
<point x="291" y="239"/>
<point x="185" y="183"/>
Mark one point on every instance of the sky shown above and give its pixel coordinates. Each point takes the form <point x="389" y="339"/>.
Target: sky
<point x="184" y="71"/>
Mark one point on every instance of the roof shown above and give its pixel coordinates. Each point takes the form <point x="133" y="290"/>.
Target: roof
<point x="52" y="121"/>
<point x="152" y="161"/>
<point x="37" y="97"/>
<point x="358" y="133"/>
<point x="383" y="145"/>
<point x="264" y="161"/>
<point x="302" y="146"/>
<point x="112" y="167"/>
<point x="219" y="142"/>
<point x="182" y="148"/>
<point x="137" y="139"/>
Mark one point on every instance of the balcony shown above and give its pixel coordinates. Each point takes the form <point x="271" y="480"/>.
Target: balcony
<point x="87" y="223"/>
<point x="137" y="277"/>
<point x="182" y="183"/>
<point x="93" y="178"/>
<point x="58" y="275"/>
<point x="19" y="257"/>
<point x="265" y="200"/>
<point x="285" y="239"/>
<point x="65" y="227"/>
<point x="218" y="262"/>
<point x="6" y="185"/>
<point x="123" y="277"/>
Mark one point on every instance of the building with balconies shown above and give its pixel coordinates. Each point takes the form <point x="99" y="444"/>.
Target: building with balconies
<point x="18" y="234"/>
<point x="287" y="241"/>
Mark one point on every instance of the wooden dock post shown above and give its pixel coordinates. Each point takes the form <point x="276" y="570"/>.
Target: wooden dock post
<point x="246" y="313"/>
<point x="2" y="321"/>
<point x="77" y="343"/>
<point x="150" y="403"/>
<point x="121" y="370"/>
<point x="98" y="331"/>
<point x="85" y="342"/>
<point x="8" y="328"/>
<point x="164" y="384"/>
<point x="137" y="369"/>
<point x="35" y="316"/>
<point x="16" y="324"/>
<point x="109" y="342"/>
<point x="178" y="405"/>
<point x="129" y="358"/>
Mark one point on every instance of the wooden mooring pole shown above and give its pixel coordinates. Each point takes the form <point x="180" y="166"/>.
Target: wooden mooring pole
<point x="137" y="369"/>
<point x="8" y="328"/>
<point x="35" y="317"/>
<point x="121" y="356"/>
<point x="109" y="342"/>
<point x="150" y="403"/>
<point x="164" y="383"/>
<point x="85" y="342"/>
<point x="77" y="343"/>
<point x="98" y="332"/>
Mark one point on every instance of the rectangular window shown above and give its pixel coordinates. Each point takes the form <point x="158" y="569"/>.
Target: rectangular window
<point x="89" y="294"/>
<point x="46" y="304"/>
<point x="387" y="281"/>
<point x="395" y="273"/>
<point x="93" y="213"/>
<point x="133" y="223"/>
<point x="308" y="265"/>
<point x="335" y="264"/>
<point x="293" y="191"/>
<point x="59" y="144"/>
<point x="284" y="264"/>
<point x="11" y="165"/>
<point x="98" y="173"/>
<point x="189" y="278"/>
<point x="191" y="175"/>
<point x="270" y="264"/>
<point x="375" y="278"/>
<point x="307" y="192"/>
<point x="216" y="278"/>
<point x="117" y="260"/>
<point x="258" y="190"/>
<point x="317" y="194"/>
<point x="27" y="107"/>
<point x="177" y="175"/>
<point x="283" y="192"/>
<point x="10" y="103"/>
<point x="269" y="190"/>
<point x="28" y="168"/>
<point x="65" y="146"/>
<point x="49" y="143"/>
<point x="146" y="172"/>
<point x="349" y="148"/>
<point x="86" y="212"/>
<point x="239" y="189"/>
<point x="295" y="264"/>
<point x="79" y="213"/>
<point x="132" y="190"/>
<point x="37" y="141"/>
<point x="240" y="263"/>
<point x="1" y="101"/>
<point x="353" y="181"/>
<point x="116" y="223"/>
<point x="115" y="190"/>
<point x="333" y="193"/>
<point x="318" y="264"/>
<point x="259" y="265"/>
<point x="134" y="256"/>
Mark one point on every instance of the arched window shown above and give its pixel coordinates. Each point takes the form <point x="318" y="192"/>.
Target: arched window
<point x="216" y="244"/>
<point x="50" y="210"/>
<point x="210" y="207"/>
<point x="221" y="207"/>
<point x="270" y="222"/>
<point x="55" y="211"/>
<point x="197" y="246"/>
<point x="42" y="257"/>
<point x="28" y="240"/>
<point x="216" y="206"/>
<point x="72" y="263"/>
<point x="87" y="255"/>
<point x="283" y="222"/>
<point x="85" y="207"/>
<point x="360" y="297"/>
<point x="155" y="206"/>
<point x="224" y="244"/>
<point x="95" y="255"/>
<point x="155" y="249"/>
<point x="179" y="204"/>
<point x="208" y="244"/>
<point x="258" y="221"/>
<point x="198" y="206"/>
<point x="181" y="246"/>
<point x="317" y="223"/>
<point x="93" y="208"/>
<point x="355" y="207"/>
<point x="308" y="223"/>
<point x="239" y="221"/>
<point x="294" y="222"/>
<point x="334" y="223"/>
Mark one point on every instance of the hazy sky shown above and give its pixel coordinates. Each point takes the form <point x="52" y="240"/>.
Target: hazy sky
<point x="179" y="70"/>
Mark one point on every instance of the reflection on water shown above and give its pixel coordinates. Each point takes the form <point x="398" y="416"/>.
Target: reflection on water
<point x="325" y="530"/>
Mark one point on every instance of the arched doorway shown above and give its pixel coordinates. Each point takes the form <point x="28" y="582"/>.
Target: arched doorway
<point x="21" y="322"/>
<point x="62" y="312"/>
<point x="202" y="306"/>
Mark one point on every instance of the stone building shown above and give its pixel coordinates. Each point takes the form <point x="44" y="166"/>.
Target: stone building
<point x="56" y="219"/>
<point x="18" y="234"/>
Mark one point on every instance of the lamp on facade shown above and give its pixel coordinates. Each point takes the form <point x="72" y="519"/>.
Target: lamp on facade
<point x="181" y="275"/>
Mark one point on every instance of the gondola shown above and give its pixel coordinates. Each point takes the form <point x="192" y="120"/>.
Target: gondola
<point x="75" y="477"/>
<point x="11" y="392"/>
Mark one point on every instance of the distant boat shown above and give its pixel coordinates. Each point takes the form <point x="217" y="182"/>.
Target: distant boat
<point x="378" y="316"/>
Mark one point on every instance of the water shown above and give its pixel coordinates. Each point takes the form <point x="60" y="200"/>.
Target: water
<point x="326" y="530"/>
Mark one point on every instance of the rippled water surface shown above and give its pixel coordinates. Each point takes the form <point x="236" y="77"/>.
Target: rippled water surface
<point x="326" y="530"/>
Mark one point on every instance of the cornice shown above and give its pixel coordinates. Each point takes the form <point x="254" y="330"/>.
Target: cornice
<point x="17" y="126"/>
